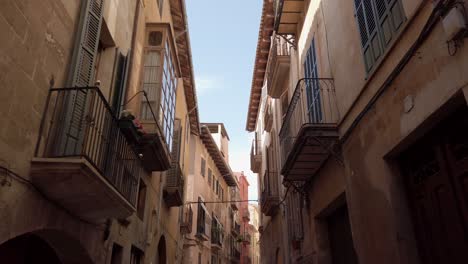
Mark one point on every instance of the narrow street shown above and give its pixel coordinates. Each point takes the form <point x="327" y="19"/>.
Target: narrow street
<point x="240" y="132"/>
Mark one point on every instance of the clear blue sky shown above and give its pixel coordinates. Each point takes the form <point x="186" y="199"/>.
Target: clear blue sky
<point x="223" y="37"/>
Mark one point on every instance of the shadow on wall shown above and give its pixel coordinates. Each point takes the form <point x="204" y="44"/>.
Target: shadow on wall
<point x="44" y="246"/>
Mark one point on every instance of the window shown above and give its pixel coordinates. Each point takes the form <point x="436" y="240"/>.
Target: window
<point x="141" y="200"/>
<point x="378" y="22"/>
<point x="203" y="167"/>
<point x="203" y="219"/>
<point x="217" y="187"/>
<point x="116" y="257"/>
<point x="214" y="184"/>
<point x="209" y="176"/>
<point x="159" y="81"/>
<point x="312" y="86"/>
<point x="136" y="256"/>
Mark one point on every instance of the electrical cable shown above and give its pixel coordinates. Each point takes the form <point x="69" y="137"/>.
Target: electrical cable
<point x="30" y="183"/>
<point x="427" y="29"/>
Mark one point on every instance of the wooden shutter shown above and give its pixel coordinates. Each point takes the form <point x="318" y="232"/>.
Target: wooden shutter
<point x="81" y="75"/>
<point x="88" y="36"/>
<point x="378" y="21"/>
<point x="390" y="17"/>
<point x="370" y="41"/>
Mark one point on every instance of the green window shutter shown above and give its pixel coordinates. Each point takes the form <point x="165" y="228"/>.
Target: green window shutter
<point x="390" y="17"/>
<point x="378" y="21"/>
<point x="368" y="30"/>
<point x="75" y="104"/>
<point x="87" y="46"/>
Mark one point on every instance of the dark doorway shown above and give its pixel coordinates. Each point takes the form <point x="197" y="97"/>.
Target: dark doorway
<point x="436" y="176"/>
<point x="340" y="237"/>
<point x="27" y="249"/>
<point x="161" y="251"/>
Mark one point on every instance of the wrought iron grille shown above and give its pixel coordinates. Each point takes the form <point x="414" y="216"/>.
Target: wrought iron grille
<point x="313" y="102"/>
<point x="79" y="123"/>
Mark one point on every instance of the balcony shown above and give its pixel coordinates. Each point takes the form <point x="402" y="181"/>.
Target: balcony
<point x="174" y="188"/>
<point x="288" y="15"/>
<point x="234" y="252"/>
<point x="278" y="65"/>
<point x="268" y="116"/>
<point x="234" y="198"/>
<point x="203" y="223"/>
<point x="255" y="156"/>
<point x="270" y="198"/>
<point x="187" y="220"/>
<point x="82" y="159"/>
<point x="309" y="132"/>
<point x="216" y="235"/>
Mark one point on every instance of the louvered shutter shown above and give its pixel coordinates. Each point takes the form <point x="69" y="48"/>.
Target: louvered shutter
<point x="390" y="17"/>
<point x="370" y="39"/>
<point x="81" y="75"/>
<point x="378" y="21"/>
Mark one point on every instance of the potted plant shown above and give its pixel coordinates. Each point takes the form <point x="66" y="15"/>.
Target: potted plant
<point x="131" y="127"/>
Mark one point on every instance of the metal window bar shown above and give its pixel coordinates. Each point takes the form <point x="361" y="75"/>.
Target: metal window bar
<point x="101" y="142"/>
<point x="313" y="102"/>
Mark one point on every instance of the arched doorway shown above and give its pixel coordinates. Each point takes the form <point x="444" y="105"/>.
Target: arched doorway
<point x="44" y="246"/>
<point x="27" y="249"/>
<point x="161" y="257"/>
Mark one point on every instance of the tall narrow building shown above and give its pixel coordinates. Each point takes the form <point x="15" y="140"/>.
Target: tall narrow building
<point x="101" y="145"/>
<point x="359" y="110"/>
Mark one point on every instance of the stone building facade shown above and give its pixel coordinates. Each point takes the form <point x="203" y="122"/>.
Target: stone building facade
<point x="212" y="192"/>
<point x="359" y="111"/>
<point x="100" y="132"/>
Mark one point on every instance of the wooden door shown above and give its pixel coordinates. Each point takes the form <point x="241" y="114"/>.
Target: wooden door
<point x="340" y="237"/>
<point x="436" y="175"/>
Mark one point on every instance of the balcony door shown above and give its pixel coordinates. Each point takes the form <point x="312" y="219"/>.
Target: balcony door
<point x="314" y="108"/>
<point x="340" y="237"/>
<point x="436" y="174"/>
<point x="75" y="104"/>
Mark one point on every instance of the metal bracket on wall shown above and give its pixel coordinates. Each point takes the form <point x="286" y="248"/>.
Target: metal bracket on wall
<point x="290" y="39"/>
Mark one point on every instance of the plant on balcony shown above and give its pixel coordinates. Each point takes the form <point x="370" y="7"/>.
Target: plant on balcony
<point x="131" y="127"/>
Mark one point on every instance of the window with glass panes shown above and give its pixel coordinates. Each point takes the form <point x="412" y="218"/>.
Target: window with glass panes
<point x="159" y="81"/>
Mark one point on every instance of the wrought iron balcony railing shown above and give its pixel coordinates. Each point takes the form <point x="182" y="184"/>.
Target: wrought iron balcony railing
<point x="216" y="234"/>
<point x="312" y="114"/>
<point x="278" y="64"/>
<point x="268" y="116"/>
<point x="79" y="123"/>
<point x="187" y="220"/>
<point x="256" y="155"/>
<point x="203" y="223"/>
<point x="270" y="197"/>
<point x="174" y="187"/>
<point x="234" y="196"/>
